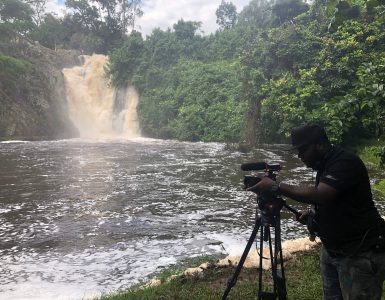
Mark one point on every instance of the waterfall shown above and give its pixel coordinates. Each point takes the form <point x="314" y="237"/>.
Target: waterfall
<point x="95" y="107"/>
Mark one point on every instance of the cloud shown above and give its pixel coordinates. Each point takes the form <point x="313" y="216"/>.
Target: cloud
<point x="56" y="6"/>
<point x="164" y="13"/>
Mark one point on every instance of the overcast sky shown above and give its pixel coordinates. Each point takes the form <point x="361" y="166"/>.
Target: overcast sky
<point x="165" y="13"/>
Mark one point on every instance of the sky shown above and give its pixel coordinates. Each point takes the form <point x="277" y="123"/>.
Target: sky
<point x="165" y="13"/>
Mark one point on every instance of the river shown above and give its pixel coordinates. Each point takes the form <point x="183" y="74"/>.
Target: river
<point x="80" y="218"/>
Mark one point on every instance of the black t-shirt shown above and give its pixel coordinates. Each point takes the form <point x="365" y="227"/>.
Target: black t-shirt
<point x="350" y="222"/>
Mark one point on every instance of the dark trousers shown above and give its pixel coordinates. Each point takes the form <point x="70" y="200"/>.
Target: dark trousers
<point x="358" y="277"/>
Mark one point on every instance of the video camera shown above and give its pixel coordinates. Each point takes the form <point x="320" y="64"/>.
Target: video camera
<point x="270" y="205"/>
<point x="270" y="169"/>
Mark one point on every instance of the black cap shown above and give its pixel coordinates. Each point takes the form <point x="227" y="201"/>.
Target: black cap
<point x="306" y="134"/>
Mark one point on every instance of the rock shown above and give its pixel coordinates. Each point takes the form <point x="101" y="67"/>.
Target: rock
<point x="289" y="248"/>
<point x="152" y="283"/>
<point x="193" y="271"/>
<point x="34" y="105"/>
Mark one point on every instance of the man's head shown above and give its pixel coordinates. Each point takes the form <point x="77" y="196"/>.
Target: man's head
<point x="311" y="142"/>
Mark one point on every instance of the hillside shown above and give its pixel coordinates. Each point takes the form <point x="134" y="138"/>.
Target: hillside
<point x="32" y="92"/>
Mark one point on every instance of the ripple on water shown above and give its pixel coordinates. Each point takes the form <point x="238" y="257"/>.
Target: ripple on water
<point x="80" y="218"/>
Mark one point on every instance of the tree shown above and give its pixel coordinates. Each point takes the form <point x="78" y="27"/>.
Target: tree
<point x="256" y="14"/>
<point x="104" y="22"/>
<point x="343" y="11"/>
<point x="85" y="14"/>
<point x="185" y="30"/>
<point x="38" y="7"/>
<point x="226" y="15"/>
<point x="15" y="17"/>
<point x="116" y="14"/>
<point x="187" y="41"/>
<point x="277" y="67"/>
<point x="51" y="32"/>
<point x="286" y="10"/>
<point x="125" y="60"/>
<point x="130" y="10"/>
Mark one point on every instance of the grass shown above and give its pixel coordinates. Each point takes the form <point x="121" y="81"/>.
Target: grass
<point x="302" y="276"/>
<point x="380" y="187"/>
<point x="303" y="282"/>
<point x="303" y="279"/>
<point x="369" y="152"/>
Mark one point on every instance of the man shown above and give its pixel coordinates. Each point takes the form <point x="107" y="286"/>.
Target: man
<point x="346" y="220"/>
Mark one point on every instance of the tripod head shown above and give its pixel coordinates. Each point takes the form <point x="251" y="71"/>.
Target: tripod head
<point x="270" y="205"/>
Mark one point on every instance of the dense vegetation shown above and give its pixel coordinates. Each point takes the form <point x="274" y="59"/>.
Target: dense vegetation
<point x="280" y="64"/>
<point x="275" y="64"/>
<point x="90" y="25"/>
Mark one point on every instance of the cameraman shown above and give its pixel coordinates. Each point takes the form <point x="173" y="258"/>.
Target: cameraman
<point x="346" y="220"/>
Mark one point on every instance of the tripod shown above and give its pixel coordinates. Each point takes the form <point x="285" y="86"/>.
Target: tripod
<point x="269" y="218"/>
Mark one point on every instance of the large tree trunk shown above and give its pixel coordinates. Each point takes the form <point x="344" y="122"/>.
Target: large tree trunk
<point x="252" y="117"/>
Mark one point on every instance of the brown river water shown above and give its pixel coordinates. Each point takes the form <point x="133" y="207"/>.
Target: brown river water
<point x="79" y="218"/>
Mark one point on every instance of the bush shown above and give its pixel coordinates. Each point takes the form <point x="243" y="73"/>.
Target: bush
<point x="11" y="71"/>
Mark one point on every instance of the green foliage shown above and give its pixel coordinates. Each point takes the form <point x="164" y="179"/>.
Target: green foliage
<point x="51" y="32"/>
<point x="15" y="11"/>
<point x="379" y="153"/>
<point x="291" y="101"/>
<point x="286" y="62"/>
<point x="338" y="83"/>
<point x="211" y="109"/>
<point x="12" y="71"/>
<point x="163" y="49"/>
<point x="343" y="11"/>
<point x="15" y="18"/>
<point x="286" y="10"/>
<point x="226" y="15"/>
<point x="380" y="187"/>
<point x="257" y="14"/>
<point x="362" y="109"/>
<point x="369" y="92"/>
<point x="185" y="30"/>
<point x="125" y="60"/>
<point x="200" y="102"/>
<point x="92" y="26"/>
<point x="98" y="23"/>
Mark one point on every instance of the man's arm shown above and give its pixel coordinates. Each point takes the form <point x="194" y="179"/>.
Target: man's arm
<point x="321" y="194"/>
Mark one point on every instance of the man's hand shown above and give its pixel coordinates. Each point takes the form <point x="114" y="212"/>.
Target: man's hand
<point x="262" y="187"/>
<point x="302" y="217"/>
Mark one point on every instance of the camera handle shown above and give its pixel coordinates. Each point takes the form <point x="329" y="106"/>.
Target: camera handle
<point x="278" y="274"/>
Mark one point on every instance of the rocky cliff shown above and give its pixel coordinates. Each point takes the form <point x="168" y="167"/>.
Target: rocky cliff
<point x="32" y="93"/>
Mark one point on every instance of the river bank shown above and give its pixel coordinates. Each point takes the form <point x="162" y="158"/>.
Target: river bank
<point x="209" y="279"/>
<point x="301" y="272"/>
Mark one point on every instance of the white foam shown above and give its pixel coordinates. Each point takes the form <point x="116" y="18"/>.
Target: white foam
<point x="13" y="141"/>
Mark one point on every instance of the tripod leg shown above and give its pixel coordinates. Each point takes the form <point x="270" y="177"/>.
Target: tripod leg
<point x="280" y="281"/>
<point x="266" y="295"/>
<point x="263" y="232"/>
<point x="250" y="242"/>
<point x="276" y="258"/>
<point x="273" y="260"/>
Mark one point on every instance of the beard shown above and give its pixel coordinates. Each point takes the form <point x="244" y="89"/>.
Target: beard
<point x="315" y="161"/>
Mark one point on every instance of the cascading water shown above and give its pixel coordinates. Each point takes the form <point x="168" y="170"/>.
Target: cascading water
<point x="95" y="107"/>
